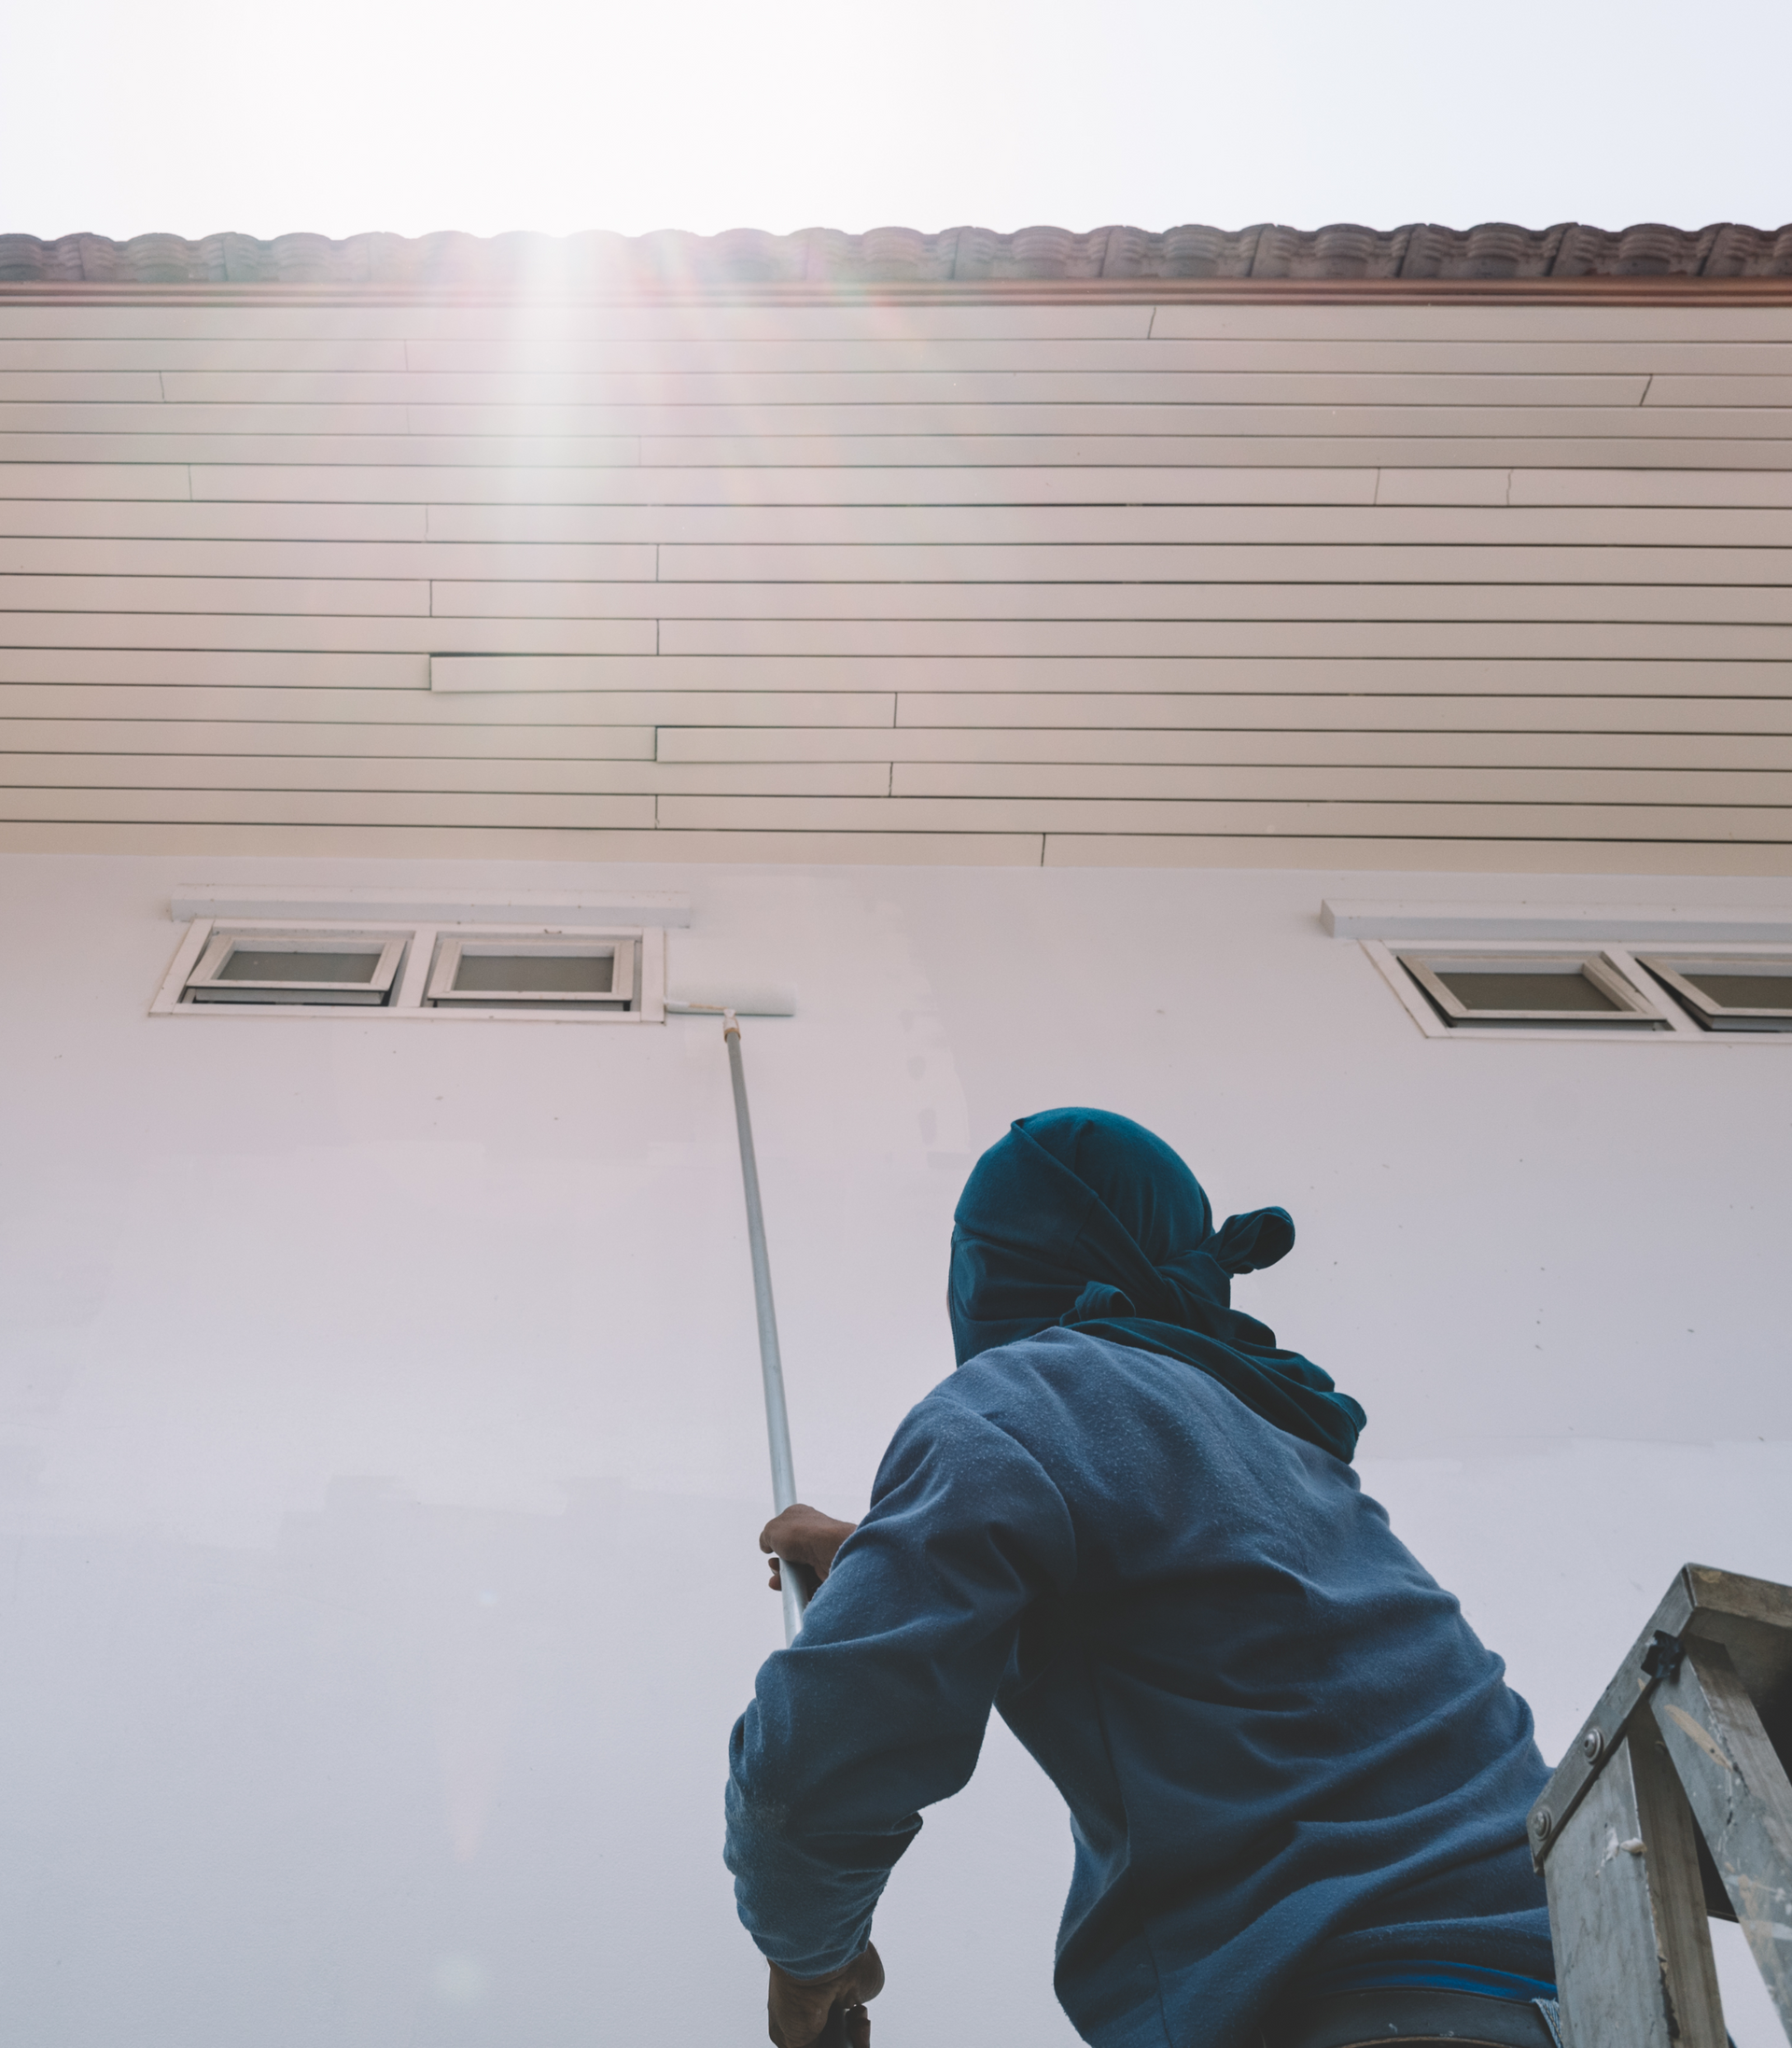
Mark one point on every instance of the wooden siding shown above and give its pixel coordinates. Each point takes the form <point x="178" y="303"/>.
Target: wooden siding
<point x="1400" y="584"/>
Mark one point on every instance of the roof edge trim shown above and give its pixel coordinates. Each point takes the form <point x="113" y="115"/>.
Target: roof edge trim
<point x="1414" y="291"/>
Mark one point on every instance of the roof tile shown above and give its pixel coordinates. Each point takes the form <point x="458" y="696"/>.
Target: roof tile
<point x="670" y="258"/>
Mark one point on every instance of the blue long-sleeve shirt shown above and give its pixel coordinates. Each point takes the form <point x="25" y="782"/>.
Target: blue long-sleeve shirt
<point x="1283" y="1749"/>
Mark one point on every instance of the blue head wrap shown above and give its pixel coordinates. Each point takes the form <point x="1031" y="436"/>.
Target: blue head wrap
<point x="1085" y="1219"/>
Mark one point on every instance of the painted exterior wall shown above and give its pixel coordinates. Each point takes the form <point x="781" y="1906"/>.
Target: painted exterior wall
<point x="382" y="1451"/>
<point x="1472" y="586"/>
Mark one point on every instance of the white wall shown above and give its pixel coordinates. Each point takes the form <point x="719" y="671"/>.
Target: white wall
<point x="379" y="1453"/>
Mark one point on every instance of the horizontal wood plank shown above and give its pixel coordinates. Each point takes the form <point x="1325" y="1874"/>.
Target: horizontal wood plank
<point x="1428" y="524"/>
<point x="396" y="808"/>
<point x="1408" y="323"/>
<point x="98" y="480"/>
<point x="1621" y="711"/>
<point x="342" y="599"/>
<point x="90" y="351"/>
<point x="284" y="668"/>
<point x="536" y="776"/>
<point x="65" y="387"/>
<point x="1347" y="782"/>
<point x="1758" y="390"/>
<point x="1159" y="562"/>
<point x="621" y="320"/>
<point x="1523" y="411"/>
<point x="1662" y="824"/>
<point x="499" y="724"/>
<point x="505" y="842"/>
<point x="1677" y="487"/>
<point x="1721" y="603"/>
<point x="1390" y="855"/>
<point x="96" y="733"/>
<point x="1161" y="746"/>
<point x="510" y="322"/>
<point x="1331" y="639"/>
<point x="486" y="486"/>
<point x="296" y="632"/>
<point x="382" y="451"/>
<point x="1637" y="447"/>
<point x="328" y="807"/>
<point x="1328" y="676"/>
<point x="176" y="559"/>
<point x="736" y="391"/>
<point x="521" y="355"/>
<point x="156" y="519"/>
<point x="158" y="416"/>
<point x="869" y="605"/>
<point x="1325" y="355"/>
<point x="1620" y="418"/>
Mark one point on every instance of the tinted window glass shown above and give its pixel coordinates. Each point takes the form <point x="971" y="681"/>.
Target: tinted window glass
<point x="247" y="965"/>
<point x="1524" y="991"/>
<point x="1744" y="991"/>
<point x="505" y="974"/>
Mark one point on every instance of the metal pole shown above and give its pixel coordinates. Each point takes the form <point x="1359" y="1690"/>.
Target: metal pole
<point x="770" y="1365"/>
<point x="793" y="1577"/>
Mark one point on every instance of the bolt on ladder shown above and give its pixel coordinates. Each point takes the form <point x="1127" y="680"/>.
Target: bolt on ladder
<point x="1672" y="1805"/>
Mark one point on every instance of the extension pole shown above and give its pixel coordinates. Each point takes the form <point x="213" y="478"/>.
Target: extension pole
<point x="771" y="1364"/>
<point x="793" y="1577"/>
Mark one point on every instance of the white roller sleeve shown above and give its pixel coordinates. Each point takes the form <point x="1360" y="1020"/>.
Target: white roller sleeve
<point x="766" y="999"/>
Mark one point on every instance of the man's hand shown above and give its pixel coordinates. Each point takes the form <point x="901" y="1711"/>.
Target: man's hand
<point x="797" y="2013"/>
<point x="807" y="1536"/>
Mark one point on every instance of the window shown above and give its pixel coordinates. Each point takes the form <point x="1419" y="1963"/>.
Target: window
<point x="1678" y="974"/>
<point x="1503" y="988"/>
<point x="250" y="967"/>
<point x="534" y="973"/>
<point x="1728" y="991"/>
<point x="239" y="967"/>
<point x="1542" y="990"/>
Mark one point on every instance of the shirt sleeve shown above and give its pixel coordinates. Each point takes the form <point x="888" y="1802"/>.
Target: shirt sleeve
<point x="879" y="1707"/>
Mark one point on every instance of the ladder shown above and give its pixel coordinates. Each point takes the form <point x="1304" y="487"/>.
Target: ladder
<point x="1672" y="1805"/>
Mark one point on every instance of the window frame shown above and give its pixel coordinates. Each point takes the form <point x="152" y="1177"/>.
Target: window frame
<point x="1618" y="959"/>
<point x="451" y="949"/>
<point x="1633" y="1010"/>
<point x="419" y="940"/>
<point x="1713" y="1019"/>
<point x="204" y="987"/>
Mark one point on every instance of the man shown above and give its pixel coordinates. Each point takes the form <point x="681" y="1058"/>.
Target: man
<point x="1298" y="1782"/>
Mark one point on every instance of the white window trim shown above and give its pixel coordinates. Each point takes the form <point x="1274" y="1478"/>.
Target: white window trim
<point x="450" y="946"/>
<point x="1673" y="956"/>
<point x="612" y="911"/>
<point x="1681" y="1030"/>
<point x="1410" y="920"/>
<point x="1629" y="1008"/>
<point x="380" y="983"/>
<point x="408" y="1002"/>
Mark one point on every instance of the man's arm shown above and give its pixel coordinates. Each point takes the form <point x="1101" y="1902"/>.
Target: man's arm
<point x="879" y="1708"/>
<point x="804" y="1536"/>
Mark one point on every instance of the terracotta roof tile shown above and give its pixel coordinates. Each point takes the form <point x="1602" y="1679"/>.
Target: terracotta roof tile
<point x="820" y="255"/>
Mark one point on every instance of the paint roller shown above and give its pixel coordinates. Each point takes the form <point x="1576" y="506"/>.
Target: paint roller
<point x="731" y="1006"/>
<point x="795" y="1578"/>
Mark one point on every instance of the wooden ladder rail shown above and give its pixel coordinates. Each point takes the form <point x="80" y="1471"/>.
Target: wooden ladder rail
<point x="1673" y="1805"/>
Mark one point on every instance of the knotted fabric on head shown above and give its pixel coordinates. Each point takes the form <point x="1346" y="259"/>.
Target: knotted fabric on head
<point x="1082" y="1218"/>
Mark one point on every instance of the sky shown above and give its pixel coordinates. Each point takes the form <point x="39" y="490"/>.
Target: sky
<point x="196" y="116"/>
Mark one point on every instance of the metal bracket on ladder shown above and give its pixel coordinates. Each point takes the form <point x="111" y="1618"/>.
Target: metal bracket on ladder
<point x="1686" y="1750"/>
